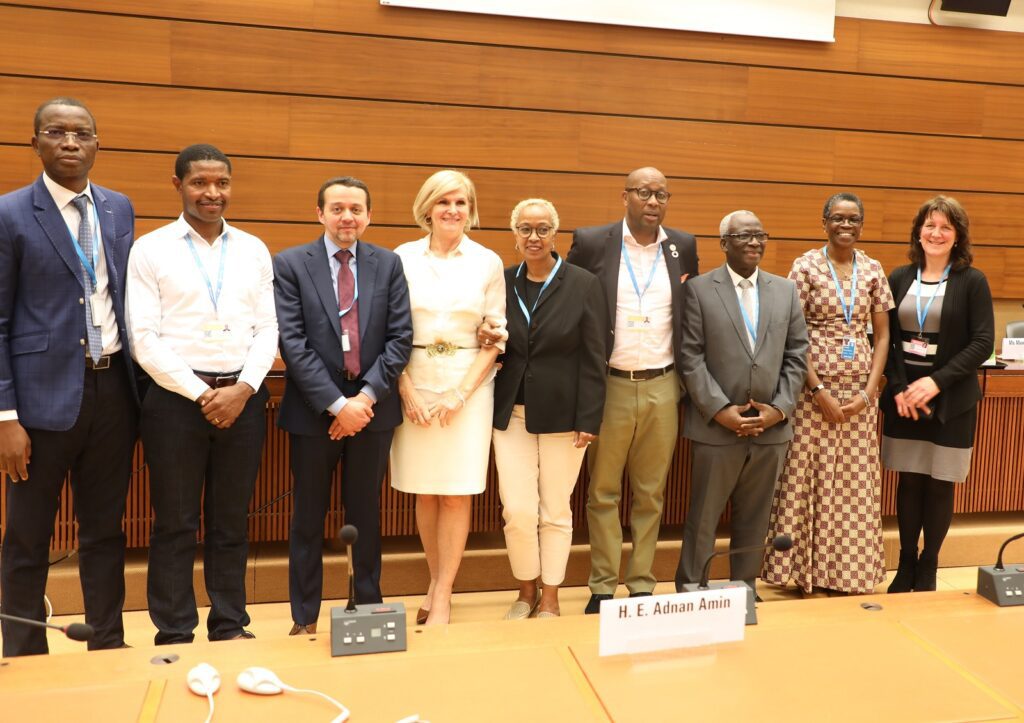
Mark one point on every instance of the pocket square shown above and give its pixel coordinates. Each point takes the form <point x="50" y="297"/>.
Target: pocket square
<point x="683" y="278"/>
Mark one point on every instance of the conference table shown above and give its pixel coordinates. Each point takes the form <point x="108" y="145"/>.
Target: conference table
<point x="949" y="656"/>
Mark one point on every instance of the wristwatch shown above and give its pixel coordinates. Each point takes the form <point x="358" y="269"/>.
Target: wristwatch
<point x="814" y="390"/>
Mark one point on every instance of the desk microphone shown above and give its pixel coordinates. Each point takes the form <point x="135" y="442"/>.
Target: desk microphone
<point x="74" y="631"/>
<point x="779" y="542"/>
<point x="349" y="534"/>
<point x="1001" y="586"/>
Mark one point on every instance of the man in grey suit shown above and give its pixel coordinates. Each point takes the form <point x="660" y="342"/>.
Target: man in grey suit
<point x="744" y="346"/>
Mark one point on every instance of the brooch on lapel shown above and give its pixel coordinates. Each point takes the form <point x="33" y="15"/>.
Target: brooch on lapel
<point x="672" y="249"/>
<point x="683" y="278"/>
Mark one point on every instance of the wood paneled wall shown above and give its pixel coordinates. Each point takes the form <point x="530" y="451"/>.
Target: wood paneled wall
<point x="300" y="90"/>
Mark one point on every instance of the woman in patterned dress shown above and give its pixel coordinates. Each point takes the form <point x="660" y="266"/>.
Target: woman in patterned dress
<point x="829" y="495"/>
<point x="942" y="331"/>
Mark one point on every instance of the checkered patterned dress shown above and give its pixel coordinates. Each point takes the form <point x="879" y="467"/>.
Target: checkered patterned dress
<point x="829" y="496"/>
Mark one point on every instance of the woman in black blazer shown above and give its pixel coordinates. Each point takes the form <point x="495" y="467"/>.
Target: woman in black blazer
<point x="548" y="403"/>
<point x="942" y="329"/>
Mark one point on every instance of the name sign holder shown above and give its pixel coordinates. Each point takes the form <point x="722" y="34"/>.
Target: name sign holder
<point x="666" y="622"/>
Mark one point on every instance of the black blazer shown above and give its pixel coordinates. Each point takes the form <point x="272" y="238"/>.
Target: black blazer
<point x="598" y="249"/>
<point x="307" y="314"/>
<point x="966" y="336"/>
<point x="561" y="355"/>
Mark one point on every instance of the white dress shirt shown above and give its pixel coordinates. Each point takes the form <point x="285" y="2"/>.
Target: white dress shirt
<point x="736" y="279"/>
<point x="174" y="327"/>
<point x="643" y="330"/>
<point x="450" y="297"/>
<point x="63" y="197"/>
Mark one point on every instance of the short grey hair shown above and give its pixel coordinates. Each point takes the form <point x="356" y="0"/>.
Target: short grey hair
<point x="543" y="203"/>
<point x="724" y="225"/>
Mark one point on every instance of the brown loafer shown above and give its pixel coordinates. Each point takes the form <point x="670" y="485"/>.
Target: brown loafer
<point x="303" y="629"/>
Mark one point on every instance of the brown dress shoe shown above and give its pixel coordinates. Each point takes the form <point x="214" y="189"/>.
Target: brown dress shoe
<point x="303" y="629"/>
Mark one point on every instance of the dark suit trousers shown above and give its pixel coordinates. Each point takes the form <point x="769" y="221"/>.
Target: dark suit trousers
<point x="98" y="452"/>
<point x="195" y="468"/>
<point x="745" y="474"/>
<point x="364" y="460"/>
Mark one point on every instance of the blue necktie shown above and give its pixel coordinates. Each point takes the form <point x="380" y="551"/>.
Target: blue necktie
<point x="85" y="241"/>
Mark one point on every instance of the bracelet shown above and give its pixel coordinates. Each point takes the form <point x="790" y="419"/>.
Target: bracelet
<point x="865" y="397"/>
<point x="459" y="395"/>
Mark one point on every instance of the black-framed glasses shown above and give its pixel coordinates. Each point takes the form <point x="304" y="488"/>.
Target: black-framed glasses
<point x="645" y="194"/>
<point x="57" y="135"/>
<point x="844" y="220"/>
<point x="746" y="236"/>
<point x="525" y="232"/>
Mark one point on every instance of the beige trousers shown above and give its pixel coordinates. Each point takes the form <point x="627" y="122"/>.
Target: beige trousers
<point x="536" y="476"/>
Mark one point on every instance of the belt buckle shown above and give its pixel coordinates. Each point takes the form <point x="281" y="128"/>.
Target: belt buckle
<point x="441" y="348"/>
<point x="634" y="378"/>
<point x="217" y="380"/>
<point x="103" y="363"/>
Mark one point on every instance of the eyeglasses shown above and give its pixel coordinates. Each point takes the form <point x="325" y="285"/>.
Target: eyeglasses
<point x="843" y="220"/>
<point x="645" y="194"/>
<point x="525" y="232"/>
<point x="746" y="236"/>
<point x="58" y="136"/>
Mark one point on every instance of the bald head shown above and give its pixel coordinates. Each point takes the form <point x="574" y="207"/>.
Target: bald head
<point x="645" y="175"/>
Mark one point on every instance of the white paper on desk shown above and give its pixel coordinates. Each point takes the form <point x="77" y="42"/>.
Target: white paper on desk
<point x="1013" y="348"/>
<point x="679" y="620"/>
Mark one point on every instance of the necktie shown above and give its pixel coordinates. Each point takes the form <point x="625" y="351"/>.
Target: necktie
<point x="747" y="299"/>
<point x="350" y="320"/>
<point x="92" y="330"/>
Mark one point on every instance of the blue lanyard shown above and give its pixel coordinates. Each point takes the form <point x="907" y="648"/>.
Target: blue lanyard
<point x="632" y="276"/>
<point x="355" y="288"/>
<point x="922" y="316"/>
<point x="214" y="296"/>
<point x="752" y="325"/>
<point x="529" y="314"/>
<point x="847" y="309"/>
<point x="90" y="268"/>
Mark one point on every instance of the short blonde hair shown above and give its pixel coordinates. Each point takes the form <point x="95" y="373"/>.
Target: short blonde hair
<point x="543" y="203"/>
<point x="441" y="184"/>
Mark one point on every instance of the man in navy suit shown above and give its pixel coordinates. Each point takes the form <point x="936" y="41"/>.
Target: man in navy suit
<point x="68" y="399"/>
<point x="346" y="335"/>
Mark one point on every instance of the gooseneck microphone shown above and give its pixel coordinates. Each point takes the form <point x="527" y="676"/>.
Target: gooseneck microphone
<point x="779" y="542"/>
<point x="999" y="557"/>
<point x="349" y="534"/>
<point x="74" y="631"/>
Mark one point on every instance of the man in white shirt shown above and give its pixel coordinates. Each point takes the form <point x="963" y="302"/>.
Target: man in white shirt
<point x="202" y="322"/>
<point x="68" y="399"/>
<point x="642" y="267"/>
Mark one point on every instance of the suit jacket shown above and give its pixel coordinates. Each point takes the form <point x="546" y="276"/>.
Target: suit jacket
<point x="719" y="367"/>
<point x="310" y="334"/>
<point x="560" y="355"/>
<point x="42" y="302"/>
<point x="598" y="249"/>
<point x="966" y="336"/>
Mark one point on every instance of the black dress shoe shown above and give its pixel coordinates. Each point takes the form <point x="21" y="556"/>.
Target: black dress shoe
<point x="640" y="594"/>
<point x="594" y="606"/>
<point x="244" y="635"/>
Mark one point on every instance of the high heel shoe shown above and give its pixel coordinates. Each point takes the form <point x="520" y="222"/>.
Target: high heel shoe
<point x="906" y="573"/>
<point x="421" y="616"/>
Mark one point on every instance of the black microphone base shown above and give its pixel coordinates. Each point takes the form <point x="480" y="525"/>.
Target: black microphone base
<point x="373" y="628"/>
<point x="1003" y="587"/>
<point x="725" y="585"/>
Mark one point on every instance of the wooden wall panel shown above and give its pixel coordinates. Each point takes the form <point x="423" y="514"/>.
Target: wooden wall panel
<point x="299" y="90"/>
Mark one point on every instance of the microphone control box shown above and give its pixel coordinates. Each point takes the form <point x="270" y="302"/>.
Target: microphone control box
<point x="1003" y="587"/>
<point x="373" y="628"/>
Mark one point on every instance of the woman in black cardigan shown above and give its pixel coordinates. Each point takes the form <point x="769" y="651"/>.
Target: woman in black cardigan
<point x="548" y="402"/>
<point x="942" y="329"/>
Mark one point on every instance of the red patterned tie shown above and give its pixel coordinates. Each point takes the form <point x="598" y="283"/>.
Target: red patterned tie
<point x="350" y="320"/>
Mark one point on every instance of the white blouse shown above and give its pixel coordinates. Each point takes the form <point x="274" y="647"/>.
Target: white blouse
<point x="450" y="297"/>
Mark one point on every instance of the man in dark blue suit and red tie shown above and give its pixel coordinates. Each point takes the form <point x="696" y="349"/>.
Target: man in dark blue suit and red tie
<point x="68" y="399"/>
<point x="346" y="335"/>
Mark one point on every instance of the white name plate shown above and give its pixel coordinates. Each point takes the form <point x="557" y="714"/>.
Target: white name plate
<point x="1013" y="348"/>
<point x="679" y="620"/>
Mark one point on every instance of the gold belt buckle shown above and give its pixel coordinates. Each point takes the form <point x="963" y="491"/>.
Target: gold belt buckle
<point x="441" y="348"/>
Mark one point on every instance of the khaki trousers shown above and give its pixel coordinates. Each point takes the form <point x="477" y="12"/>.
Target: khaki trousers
<point x="536" y="476"/>
<point x="639" y="433"/>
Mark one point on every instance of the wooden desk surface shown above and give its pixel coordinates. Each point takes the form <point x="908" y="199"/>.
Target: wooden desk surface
<point x="940" y="656"/>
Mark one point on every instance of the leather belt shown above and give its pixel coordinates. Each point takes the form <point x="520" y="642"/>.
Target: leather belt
<point x="640" y="375"/>
<point x="215" y="380"/>
<point x="102" y="363"/>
